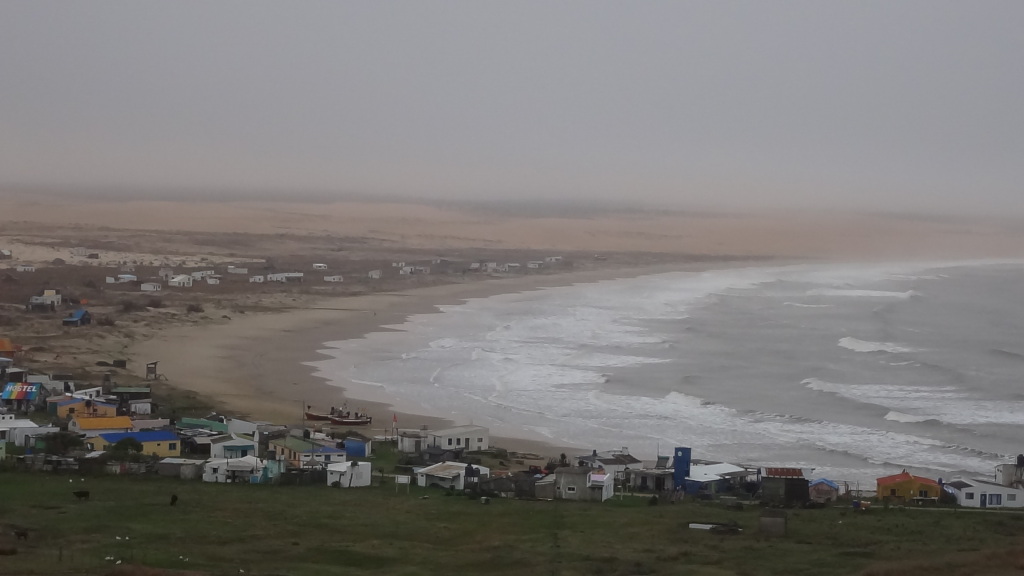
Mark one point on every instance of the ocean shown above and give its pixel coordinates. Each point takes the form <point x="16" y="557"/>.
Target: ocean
<point x="854" y="370"/>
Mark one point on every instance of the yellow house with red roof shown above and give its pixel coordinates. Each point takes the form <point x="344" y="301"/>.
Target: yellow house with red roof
<point x="96" y="425"/>
<point x="904" y="487"/>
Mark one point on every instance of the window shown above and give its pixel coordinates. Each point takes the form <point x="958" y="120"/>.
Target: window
<point x="995" y="499"/>
<point x="172" y="446"/>
<point x="458" y="441"/>
<point x="1011" y="497"/>
<point x="892" y="492"/>
<point x="570" y="489"/>
<point x="968" y="495"/>
<point x="449" y="441"/>
<point x="922" y="493"/>
<point x="480" y="440"/>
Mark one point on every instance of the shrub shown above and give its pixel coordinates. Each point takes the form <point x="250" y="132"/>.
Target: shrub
<point x="129" y="306"/>
<point x="195" y="308"/>
<point x="106" y="321"/>
<point x="154" y="303"/>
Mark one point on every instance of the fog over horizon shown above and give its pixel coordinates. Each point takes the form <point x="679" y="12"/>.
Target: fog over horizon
<point x="872" y="106"/>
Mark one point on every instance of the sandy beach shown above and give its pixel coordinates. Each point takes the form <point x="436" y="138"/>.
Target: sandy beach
<point x="252" y="365"/>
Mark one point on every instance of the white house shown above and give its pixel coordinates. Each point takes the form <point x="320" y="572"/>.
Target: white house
<point x="319" y="266"/>
<point x="412" y="441"/>
<point x="573" y="483"/>
<point x="469" y="438"/>
<point x="398" y="264"/>
<point x="9" y="423"/>
<point x="421" y="269"/>
<point x="512" y="267"/>
<point x="48" y="297"/>
<point x="474" y="266"/>
<point x="124" y="278"/>
<point x="181" y="281"/>
<point x="406" y="270"/>
<point x="227" y="470"/>
<point x="451" y="475"/>
<point x="80" y="251"/>
<point x="335" y="278"/>
<point x="236" y="270"/>
<point x="976" y="493"/>
<point x="285" y="277"/>
<point x="25" y="268"/>
<point x="256" y="279"/>
<point x="200" y="274"/>
<point x="553" y="259"/>
<point x="231" y="447"/>
<point x="151" y="287"/>
<point x="213" y="279"/>
<point x="535" y="264"/>
<point x="140" y="407"/>
<point x="489" y="266"/>
<point x="349" y="474"/>
<point x="166" y="274"/>
<point x="374" y="275"/>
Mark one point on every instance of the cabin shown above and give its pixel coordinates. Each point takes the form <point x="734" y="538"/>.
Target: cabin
<point x="582" y="483"/>
<point x="92" y="426"/>
<point x="412" y="441"/>
<point x="349" y="474"/>
<point x="213" y="280"/>
<point x="232" y="446"/>
<point x="126" y="278"/>
<point x="977" y="493"/>
<point x="180" y="281"/>
<point x="166" y="274"/>
<point x="319" y="266"/>
<point x="6" y="254"/>
<point x="470" y="438"/>
<point x="285" y="277"/>
<point x="25" y="268"/>
<point x="335" y="278"/>
<point x="535" y="264"/>
<point x="151" y="287"/>
<point x="163" y="443"/>
<point x="786" y="486"/>
<point x="614" y="462"/>
<point x="553" y="259"/>
<point x="256" y="279"/>
<point x="455" y="475"/>
<point x="247" y="470"/>
<point x="80" y="317"/>
<point x="905" y="488"/>
<point x="236" y="270"/>
<point x="67" y="406"/>
<point x="200" y="274"/>
<point x="374" y="274"/>
<point x="301" y="453"/>
<point x="823" y="491"/>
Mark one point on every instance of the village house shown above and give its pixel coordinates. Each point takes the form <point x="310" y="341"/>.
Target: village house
<point x="349" y="474"/>
<point x="140" y="424"/>
<point x="285" y="277"/>
<point x="406" y="270"/>
<point x="126" y="278"/>
<point x="357" y="447"/>
<point x="823" y="490"/>
<point x="25" y="268"/>
<point x="182" y="468"/>
<point x="9" y="423"/>
<point x="67" y="406"/>
<point x="976" y="493"/>
<point x="398" y="264"/>
<point x="236" y="270"/>
<point x="28" y="436"/>
<point x="301" y="453"/>
<point x="553" y="259"/>
<point x="213" y="280"/>
<point x="163" y="443"/>
<point x="180" y="281"/>
<point x="535" y="264"/>
<point x="412" y="441"/>
<point x="56" y="384"/>
<point x="232" y="446"/>
<point x="787" y="486"/>
<point x="6" y="254"/>
<point x="45" y="300"/>
<point x="474" y="267"/>
<point x="335" y="278"/>
<point x="75" y="318"/>
<point x="905" y="487"/>
<point x="92" y="426"/>
<point x="582" y="483"/>
<point x="1006" y="474"/>
<point x="151" y="287"/>
<point x="421" y="270"/>
<point x="80" y="251"/>
<point x="489" y="266"/>
<point x="256" y="279"/>
<point x="319" y="266"/>
<point x="512" y="267"/>
<point x="166" y="274"/>
<point x="470" y="438"/>
<point x="614" y="462"/>
<point x="200" y="274"/>
<point x="455" y="475"/>
<point x="248" y="470"/>
<point x="374" y="274"/>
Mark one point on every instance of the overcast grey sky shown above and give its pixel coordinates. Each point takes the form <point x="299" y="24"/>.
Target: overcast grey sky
<point x="870" y="104"/>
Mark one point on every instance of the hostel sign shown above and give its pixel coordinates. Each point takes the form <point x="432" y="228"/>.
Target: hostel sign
<point x="20" y="391"/>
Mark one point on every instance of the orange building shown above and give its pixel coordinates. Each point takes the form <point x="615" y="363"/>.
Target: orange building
<point x="904" y="487"/>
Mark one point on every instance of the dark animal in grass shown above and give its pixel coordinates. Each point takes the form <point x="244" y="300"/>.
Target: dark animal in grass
<point x="174" y="499"/>
<point x="81" y="494"/>
<point x="21" y="534"/>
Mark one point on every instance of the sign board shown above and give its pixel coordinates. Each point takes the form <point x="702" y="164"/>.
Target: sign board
<point x="20" y="391"/>
<point x="402" y="479"/>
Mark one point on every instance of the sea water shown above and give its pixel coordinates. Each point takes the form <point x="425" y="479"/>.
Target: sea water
<point x="856" y="371"/>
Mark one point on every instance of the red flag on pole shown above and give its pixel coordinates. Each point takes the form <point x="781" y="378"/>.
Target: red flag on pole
<point x="394" y="417"/>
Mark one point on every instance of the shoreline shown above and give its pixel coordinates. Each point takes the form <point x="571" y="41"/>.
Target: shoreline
<point x="257" y="364"/>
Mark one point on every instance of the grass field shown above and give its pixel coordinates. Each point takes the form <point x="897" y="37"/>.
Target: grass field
<point x="314" y="530"/>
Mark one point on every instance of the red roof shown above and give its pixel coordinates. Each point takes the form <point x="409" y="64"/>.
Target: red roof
<point x="783" y="473"/>
<point x="904" y="476"/>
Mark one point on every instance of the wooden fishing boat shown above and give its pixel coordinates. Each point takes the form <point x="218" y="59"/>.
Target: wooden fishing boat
<point x="315" y="416"/>
<point x="358" y="420"/>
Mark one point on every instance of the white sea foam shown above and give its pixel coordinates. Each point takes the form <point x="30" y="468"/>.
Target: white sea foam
<point x="862" y="293"/>
<point x="901" y="417"/>
<point x="858" y="345"/>
<point x="799" y="305"/>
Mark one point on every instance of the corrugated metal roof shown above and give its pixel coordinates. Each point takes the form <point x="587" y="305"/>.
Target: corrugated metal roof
<point x="783" y="473"/>
<point x="903" y="476"/>
<point x="826" y="482"/>
<point x="144" y="436"/>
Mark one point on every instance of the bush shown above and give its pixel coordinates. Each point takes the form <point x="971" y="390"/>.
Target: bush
<point x="105" y="321"/>
<point x="154" y="303"/>
<point x="129" y="306"/>
<point x="197" y="308"/>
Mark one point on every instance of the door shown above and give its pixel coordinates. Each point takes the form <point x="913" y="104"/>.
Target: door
<point x="983" y="501"/>
<point x="467" y="444"/>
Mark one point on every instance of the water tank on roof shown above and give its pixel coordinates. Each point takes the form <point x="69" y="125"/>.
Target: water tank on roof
<point x="1020" y="460"/>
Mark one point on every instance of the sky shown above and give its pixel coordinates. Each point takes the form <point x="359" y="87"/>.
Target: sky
<point x="872" y="105"/>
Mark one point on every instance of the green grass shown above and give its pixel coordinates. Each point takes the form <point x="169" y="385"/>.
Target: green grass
<point x="317" y="530"/>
